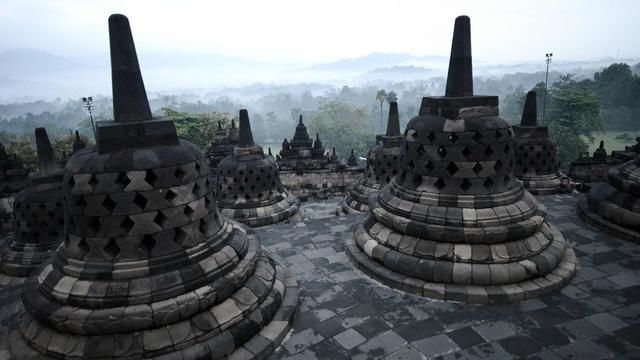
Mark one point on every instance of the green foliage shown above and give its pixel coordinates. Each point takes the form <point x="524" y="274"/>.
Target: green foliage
<point x="344" y="127"/>
<point x="24" y="150"/>
<point x="63" y="145"/>
<point x="573" y="114"/>
<point x="197" y="128"/>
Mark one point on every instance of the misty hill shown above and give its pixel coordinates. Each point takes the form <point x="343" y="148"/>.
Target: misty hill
<point x="377" y="60"/>
<point x="19" y="62"/>
<point x="399" y="73"/>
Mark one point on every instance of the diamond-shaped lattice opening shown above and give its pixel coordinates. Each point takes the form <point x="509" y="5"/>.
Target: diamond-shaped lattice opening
<point x="498" y="134"/>
<point x="439" y="184"/>
<point x="93" y="181"/>
<point x="197" y="167"/>
<point x="417" y="180"/>
<point x="71" y="182"/>
<point x="453" y="137"/>
<point x="111" y="250"/>
<point x="160" y="219"/>
<point x="414" y="134"/>
<point x="498" y="165"/>
<point x="420" y="150"/>
<point x="146" y="244"/>
<point x="429" y="167"/>
<point x="93" y="223"/>
<point x="477" y="137"/>
<point x="140" y="201"/>
<point x="123" y="179"/>
<point x="170" y="195"/>
<point x="507" y="180"/>
<point x="179" y="173"/>
<point x="465" y="185"/>
<point x="452" y="168"/>
<point x="188" y="211"/>
<point x="442" y="151"/>
<point x="203" y="227"/>
<point x="109" y="204"/>
<point x="127" y="224"/>
<point x="196" y="189"/>
<point x="150" y="177"/>
<point x="431" y="136"/>
<point x="81" y="203"/>
<point x="525" y="170"/>
<point x="488" y="151"/>
<point x="180" y="236"/>
<point x="466" y="152"/>
<point x="411" y="165"/>
<point x="83" y="246"/>
<point x="507" y="148"/>
<point x="477" y="168"/>
<point x="488" y="184"/>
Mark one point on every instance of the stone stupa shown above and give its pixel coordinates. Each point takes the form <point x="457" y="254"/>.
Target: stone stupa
<point x="455" y="223"/>
<point x="302" y="153"/>
<point x="615" y="206"/>
<point x="535" y="153"/>
<point x="149" y="268"/>
<point x="13" y="178"/>
<point x="224" y="140"/>
<point x="249" y="187"/>
<point x="39" y="219"/>
<point x="383" y="162"/>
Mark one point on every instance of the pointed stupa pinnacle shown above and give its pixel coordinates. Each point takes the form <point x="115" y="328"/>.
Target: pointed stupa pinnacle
<point x="460" y="76"/>
<point x="130" y="101"/>
<point x="47" y="163"/>
<point x="601" y="145"/>
<point x="77" y="136"/>
<point x="300" y="121"/>
<point x="246" y="137"/>
<point x="530" y="112"/>
<point x="233" y="123"/>
<point x="393" y="121"/>
<point x="270" y="151"/>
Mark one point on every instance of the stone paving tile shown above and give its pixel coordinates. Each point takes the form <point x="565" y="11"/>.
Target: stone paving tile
<point x="596" y="316"/>
<point x="436" y="345"/>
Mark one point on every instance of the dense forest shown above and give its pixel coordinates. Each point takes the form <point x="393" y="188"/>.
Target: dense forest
<point x="577" y="109"/>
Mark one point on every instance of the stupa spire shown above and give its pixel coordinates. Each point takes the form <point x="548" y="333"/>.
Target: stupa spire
<point x="530" y="113"/>
<point x="130" y="101"/>
<point x="246" y="137"/>
<point x="393" y="121"/>
<point x="460" y="76"/>
<point x="47" y="163"/>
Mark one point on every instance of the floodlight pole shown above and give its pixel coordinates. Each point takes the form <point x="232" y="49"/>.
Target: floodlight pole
<point x="546" y="81"/>
<point x="88" y="105"/>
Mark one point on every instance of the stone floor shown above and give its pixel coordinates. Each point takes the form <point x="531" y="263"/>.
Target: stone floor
<point x="345" y="315"/>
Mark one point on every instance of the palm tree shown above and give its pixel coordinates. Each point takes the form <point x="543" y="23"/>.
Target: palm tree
<point x="381" y="96"/>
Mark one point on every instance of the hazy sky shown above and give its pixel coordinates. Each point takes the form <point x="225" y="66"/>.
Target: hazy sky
<point x="317" y="31"/>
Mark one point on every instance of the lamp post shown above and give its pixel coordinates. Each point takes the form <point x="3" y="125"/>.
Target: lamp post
<point x="546" y="81"/>
<point x="88" y="106"/>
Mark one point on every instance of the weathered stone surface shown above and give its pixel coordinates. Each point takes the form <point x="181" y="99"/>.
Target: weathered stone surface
<point x="536" y="164"/>
<point x="39" y="219"/>
<point x="149" y="268"/>
<point x="249" y="186"/>
<point x="383" y="163"/>
<point x="615" y="207"/>
<point x="455" y="214"/>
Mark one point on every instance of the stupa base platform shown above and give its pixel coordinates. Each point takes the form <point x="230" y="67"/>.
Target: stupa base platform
<point x="467" y="293"/>
<point x="543" y="185"/>
<point x="593" y="218"/>
<point x="214" y="332"/>
<point x="265" y="215"/>
<point x="357" y="199"/>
